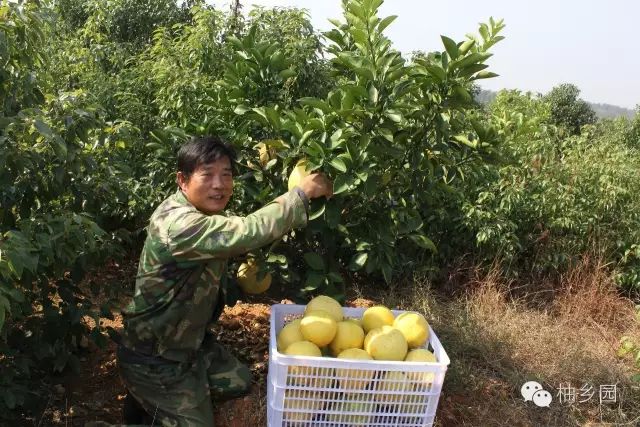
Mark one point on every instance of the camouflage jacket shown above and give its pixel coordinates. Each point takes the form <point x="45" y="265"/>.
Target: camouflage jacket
<point x="182" y="264"/>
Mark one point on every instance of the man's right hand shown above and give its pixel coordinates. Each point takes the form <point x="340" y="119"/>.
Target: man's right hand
<point x="316" y="185"/>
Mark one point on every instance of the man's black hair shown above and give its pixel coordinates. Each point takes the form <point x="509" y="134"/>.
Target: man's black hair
<point x="202" y="150"/>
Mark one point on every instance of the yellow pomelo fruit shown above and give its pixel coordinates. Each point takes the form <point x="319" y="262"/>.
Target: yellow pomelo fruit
<point x="354" y="379"/>
<point x="301" y="375"/>
<point x="386" y="343"/>
<point x="265" y="153"/>
<point x="299" y="172"/>
<point x="328" y="304"/>
<point x="318" y="327"/>
<point x="344" y="417"/>
<point x="415" y="403"/>
<point x="307" y="402"/>
<point x="303" y="348"/>
<point x="355" y="321"/>
<point x="248" y="280"/>
<point x="375" y="317"/>
<point x="392" y="388"/>
<point x="414" y="327"/>
<point x="420" y="355"/>
<point x="348" y="335"/>
<point x="289" y="334"/>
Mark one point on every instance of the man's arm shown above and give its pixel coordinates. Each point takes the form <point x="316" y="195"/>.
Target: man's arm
<point x="198" y="237"/>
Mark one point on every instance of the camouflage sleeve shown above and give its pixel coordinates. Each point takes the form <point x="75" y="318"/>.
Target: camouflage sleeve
<point x="195" y="236"/>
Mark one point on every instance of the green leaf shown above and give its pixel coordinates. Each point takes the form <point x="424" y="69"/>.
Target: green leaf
<point x="338" y="164"/>
<point x="59" y="147"/>
<point x="437" y="72"/>
<point x="261" y="115"/>
<point x="471" y="69"/>
<point x="314" y="261"/>
<point x="484" y="31"/>
<point x="314" y="149"/>
<point x="335" y="22"/>
<point x="485" y="75"/>
<point x="386" y="22"/>
<point x="342" y="184"/>
<point x="394" y="115"/>
<point x="474" y="58"/>
<point x="364" y="72"/>
<point x="313" y="282"/>
<point x="315" y="103"/>
<point x="335" y="277"/>
<point x="332" y="214"/>
<point x="273" y="117"/>
<point x="358" y="261"/>
<point x="387" y="134"/>
<point x="451" y="47"/>
<point x="317" y="213"/>
<point x="306" y="136"/>
<point x="349" y="60"/>
<point x="462" y="94"/>
<point x="336" y="139"/>
<point x="285" y="74"/>
<point x="235" y="42"/>
<point x="387" y="272"/>
<point x="373" y="95"/>
<point x="359" y="35"/>
<point x="423" y="241"/>
<point x="464" y="48"/>
<point x="357" y="10"/>
<point x="43" y="129"/>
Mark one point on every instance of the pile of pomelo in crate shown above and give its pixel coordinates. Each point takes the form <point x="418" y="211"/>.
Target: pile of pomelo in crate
<point x="336" y="366"/>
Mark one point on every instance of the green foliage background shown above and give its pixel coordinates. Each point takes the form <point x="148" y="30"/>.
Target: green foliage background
<point x="97" y="97"/>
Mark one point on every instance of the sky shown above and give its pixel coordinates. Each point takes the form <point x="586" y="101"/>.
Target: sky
<point x="589" y="43"/>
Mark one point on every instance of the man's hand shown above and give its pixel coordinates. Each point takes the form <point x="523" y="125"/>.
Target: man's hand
<point x="316" y="185"/>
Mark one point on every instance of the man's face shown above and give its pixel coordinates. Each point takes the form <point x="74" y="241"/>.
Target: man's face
<point x="210" y="186"/>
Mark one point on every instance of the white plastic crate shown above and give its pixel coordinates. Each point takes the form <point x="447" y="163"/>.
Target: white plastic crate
<point x="326" y="391"/>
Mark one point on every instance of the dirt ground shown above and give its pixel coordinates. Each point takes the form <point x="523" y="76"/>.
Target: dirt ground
<point x="97" y="393"/>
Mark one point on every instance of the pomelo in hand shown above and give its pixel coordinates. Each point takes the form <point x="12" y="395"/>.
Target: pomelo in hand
<point x="299" y="172"/>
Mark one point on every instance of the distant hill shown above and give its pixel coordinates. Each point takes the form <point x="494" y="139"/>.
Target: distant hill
<point x="609" y="111"/>
<point x="603" y="111"/>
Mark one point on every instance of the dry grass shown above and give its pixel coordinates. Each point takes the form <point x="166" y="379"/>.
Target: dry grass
<point x="497" y="342"/>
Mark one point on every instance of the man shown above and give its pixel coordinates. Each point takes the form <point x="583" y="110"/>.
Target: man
<point x="171" y="367"/>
